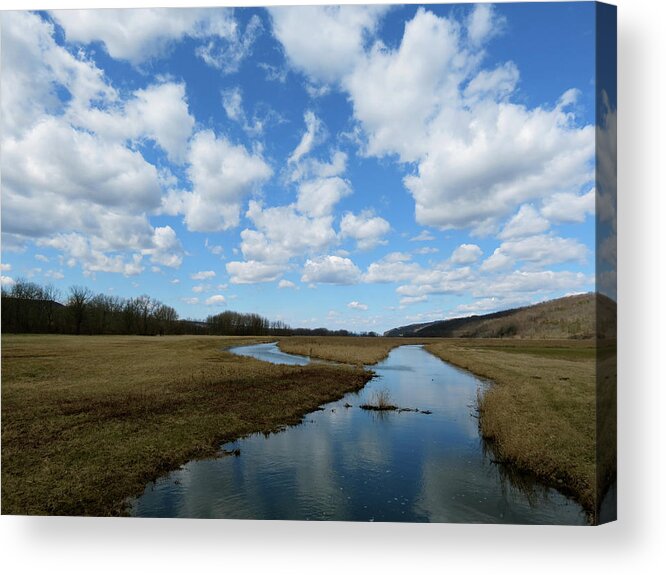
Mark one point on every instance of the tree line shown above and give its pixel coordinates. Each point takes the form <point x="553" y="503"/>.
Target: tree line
<point x="28" y="307"/>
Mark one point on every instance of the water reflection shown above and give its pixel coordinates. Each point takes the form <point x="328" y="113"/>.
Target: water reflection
<point x="344" y="463"/>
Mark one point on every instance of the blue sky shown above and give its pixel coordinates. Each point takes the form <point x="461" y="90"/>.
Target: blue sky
<point x="359" y="167"/>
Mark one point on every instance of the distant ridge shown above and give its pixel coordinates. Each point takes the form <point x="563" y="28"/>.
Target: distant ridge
<point x="571" y="317"/>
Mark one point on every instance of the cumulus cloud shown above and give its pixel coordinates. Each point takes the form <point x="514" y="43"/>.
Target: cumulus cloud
<point x="140" y="35"/>
<point x="217" y="299"/>
<point x="368" y="230"/>
<point x="249" y="272"/>
<point x="331" y="270"/>
<point x="324" y="41"/>
<point x="423" y="236"/>
<point x="478" y="154"/>
<point x="543" y="250"/>
<point x="357" y="306"/>
<point x="285" y="284"/>
<point x="167" y="249"/>
<point x="68" y="173"/>
<point x="281" y="233"/>
<point x="394" y="267"/>
<point x="159" y="113"/>
<point x="466" y="254"/>
<point x="203" y="275"/>
<point x="569" y="207"/>
<point x="222" y="175"/>
<point x="526" y="222"/>
<point x="483" y="23"/>
<point x="319" y="196"/>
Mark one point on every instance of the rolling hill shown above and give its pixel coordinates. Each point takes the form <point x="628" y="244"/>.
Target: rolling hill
<point x="573" y="317"/>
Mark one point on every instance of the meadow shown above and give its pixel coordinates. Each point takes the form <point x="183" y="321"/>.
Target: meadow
<point x="88" y="421"/>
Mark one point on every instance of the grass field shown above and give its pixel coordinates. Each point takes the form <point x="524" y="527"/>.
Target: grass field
<point x="88" y="421"/>
<point x="351" y="350"/>
<point x="540" y="414"/>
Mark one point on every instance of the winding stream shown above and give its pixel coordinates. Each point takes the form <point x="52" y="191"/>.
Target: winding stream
<point x="348" y="464"/>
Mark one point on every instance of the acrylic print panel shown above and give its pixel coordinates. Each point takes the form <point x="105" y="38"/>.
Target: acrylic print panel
<point x="314" y="263"/>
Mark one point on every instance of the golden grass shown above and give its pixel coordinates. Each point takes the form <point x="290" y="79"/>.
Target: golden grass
<point x="351" y="350"/>
<point x="88" y="421"/>
<point x="540" y="414"/>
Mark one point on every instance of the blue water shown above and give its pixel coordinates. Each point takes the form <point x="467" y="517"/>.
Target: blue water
<point x="348" y="464"/>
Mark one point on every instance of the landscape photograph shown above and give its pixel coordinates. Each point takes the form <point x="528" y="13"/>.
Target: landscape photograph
<point x="326" y="263"/>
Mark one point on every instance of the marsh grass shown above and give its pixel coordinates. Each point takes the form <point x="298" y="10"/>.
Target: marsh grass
<point x="350" y="350"/>
<point x="88" y="421"/>
<point x="540" y="412"/>
<point x="381" y="401"/>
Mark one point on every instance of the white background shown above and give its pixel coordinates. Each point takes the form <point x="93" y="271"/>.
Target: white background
<point x="634" y="544"/>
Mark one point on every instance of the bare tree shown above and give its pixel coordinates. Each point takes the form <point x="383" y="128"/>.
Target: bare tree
<point x="78" y="299"/>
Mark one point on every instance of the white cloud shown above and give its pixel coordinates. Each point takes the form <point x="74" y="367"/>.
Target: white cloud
<point x="282" y="233"/>
<point x="222" y="174"/>
<point x="53" y="158"/>
<point x="483" y="23"/>
<point x="466" y="254"/>
<point x="366" y="229"/>
<point x="203" y="275"/>
<point x="324" y="41"/>
<point x="82" y="250"/>
<point x="497" y="83"/>
<point x="569" y="207"/>
<point x="6" y="267"/>
<point x="331" y="270"/>
<point x="318" y="197"/>
<point x="284" y="284"/>
<point x="478" y="155"/>
<point x="139" y="35"/>
<point x="357" y="306"/>
<point x="253" y="272"/>
<point x="34" y="67"/>
<point x="191" y="300"/>
<point x="423" y="236"/>
<point x="217" y="299"/>
<point x="167" y="249"/>
<point x="313" y="135"/>
<point x="226" y="52"/>
<point x="497" y="261"/>
<point x="439" y="280"/>
<point x="213" y="249"/>
<point x="426" y="251"/>
<point x="543" y="250"/>
<point x="409" y="300"/>
<point x="526" y="222"/>
<point x="393" y="267"/>
<point x="535" y="282"/>
<point x="7" y="281"/>
<point x="159" y="113"/>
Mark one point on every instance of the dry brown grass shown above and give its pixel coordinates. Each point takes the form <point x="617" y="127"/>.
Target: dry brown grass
<point x="88" y="421"/>
<point x="540" y="414"/>
<point x="351" y="350"/>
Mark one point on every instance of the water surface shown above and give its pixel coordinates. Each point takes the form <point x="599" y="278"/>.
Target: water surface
<point x="348" y="464"/>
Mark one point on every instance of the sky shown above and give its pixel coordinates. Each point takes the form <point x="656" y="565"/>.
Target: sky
<point x="356" y="167"/>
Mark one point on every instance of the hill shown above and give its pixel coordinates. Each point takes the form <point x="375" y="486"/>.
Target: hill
<point x="572" y="317"/>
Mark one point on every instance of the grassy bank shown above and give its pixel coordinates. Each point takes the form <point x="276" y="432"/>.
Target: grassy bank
<point x="88" y="421"/>
<point x="351" y="350"/>
<point x="540" y="414"/>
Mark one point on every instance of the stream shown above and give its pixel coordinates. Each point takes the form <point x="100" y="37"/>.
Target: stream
<point x="344" y="463"/>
